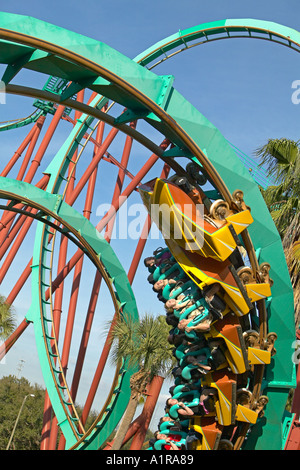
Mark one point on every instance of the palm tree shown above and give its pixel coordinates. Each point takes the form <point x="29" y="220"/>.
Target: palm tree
<point x="7" y="319"/>
<point x="281" y="159"/>
<point x="144" y="344"/>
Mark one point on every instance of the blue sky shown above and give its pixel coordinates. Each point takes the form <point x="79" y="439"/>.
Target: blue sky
<point x="243" y="86"/>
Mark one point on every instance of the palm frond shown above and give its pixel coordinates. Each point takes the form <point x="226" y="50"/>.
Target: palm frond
<point x="125" y="340"/>
<point x="296" y="250"/>
<point x="7" y="319"/>
<point x="281" y="159"/>
<point x="144" y="344"/>
<point x="278" y="157"/>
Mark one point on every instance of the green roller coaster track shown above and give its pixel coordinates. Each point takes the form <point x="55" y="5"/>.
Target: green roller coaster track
<point x="86" y="63"/>
<point x="51" y="209"/>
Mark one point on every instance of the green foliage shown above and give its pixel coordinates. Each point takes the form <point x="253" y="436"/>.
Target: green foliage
<point x="296" y="250"/>
<point x="7" y="319"/>
<point x="281" y="159"/>
<point x="282" y="162"/>
<point x="144" y="344"/>
<point x="28" y="431"/>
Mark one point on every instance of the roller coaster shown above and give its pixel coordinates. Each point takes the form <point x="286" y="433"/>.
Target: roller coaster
<point x="221" y="274"/>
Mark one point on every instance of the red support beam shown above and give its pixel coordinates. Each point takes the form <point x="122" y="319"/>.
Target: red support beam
<point x="144" y="235"/>
<point x="16" y="246"/>
<point x="9" y="216"/>
<point x="34" y="134"/>
<point x="78" y="267"/>
<point x="6" y="346"/>
<point x="106" y="349"/>
<point x="12" y="233"/>
<point x="30" y="149"/>
<point x="120" y="180"/>
<point x="77" y="273"/>
<point x="19" y="152"/>
<point x="58" y="300"/>
<point x="97" y="375"/>
<point x="97" y="283"/>
<point x="94" y="163"/>
<point x="44" y="144"/>
<point x="293" y="439"/>
<point x="154" y="391"/>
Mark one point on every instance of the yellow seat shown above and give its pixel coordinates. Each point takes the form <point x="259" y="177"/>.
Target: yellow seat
<point x="236" y="352"/>
<point x="245" y="415"/>
<point x="258" y="356"/>
<point x="258" y="291"/>
<point x="225" y="402"/>
<point x="209" y="431"/>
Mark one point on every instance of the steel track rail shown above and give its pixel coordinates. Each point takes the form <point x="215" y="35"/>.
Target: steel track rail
<point x="230" y="29"/>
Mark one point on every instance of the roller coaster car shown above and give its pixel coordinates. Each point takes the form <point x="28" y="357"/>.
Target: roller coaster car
<point x="177" y="437"/>
<point x="255" y="290"/>
<point x="207" y="434"/>
<point x="243" y="411"/>
<point x="256" y="354"/>
<point x="228" y="408"/>
<point x="207" y="271"/>
<point x="225" y="404"/>
<point x="230" y="331"/>
<point x="176" y="214"/>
